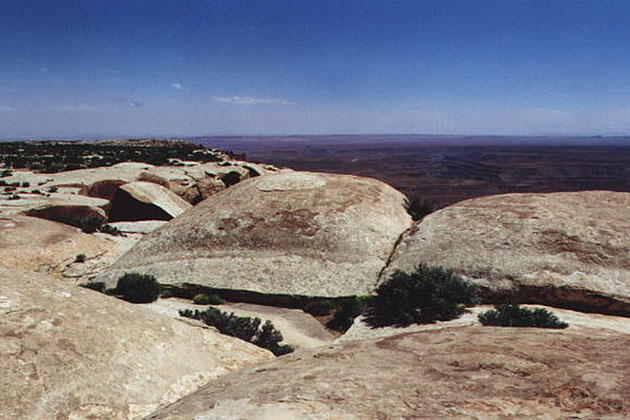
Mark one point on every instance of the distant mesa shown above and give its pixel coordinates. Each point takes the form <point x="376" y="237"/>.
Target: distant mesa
<point x="291" y="233"/>
<point x="561" y="249"/>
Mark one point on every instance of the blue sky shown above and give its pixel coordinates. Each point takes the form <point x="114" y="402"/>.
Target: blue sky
<point x="134" y="68"/>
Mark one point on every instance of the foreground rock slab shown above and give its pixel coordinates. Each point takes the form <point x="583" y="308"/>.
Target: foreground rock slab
<point x="561" y="249"/>
<point x="72" y="353"/>
<point x="463" y="373"/>
<point x="292" y="233"/>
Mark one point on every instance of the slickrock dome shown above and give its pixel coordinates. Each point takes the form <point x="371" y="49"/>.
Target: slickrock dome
<point x="72" y="353"/>
<point x="563" y="249"/>
<point x="292" y="233"/>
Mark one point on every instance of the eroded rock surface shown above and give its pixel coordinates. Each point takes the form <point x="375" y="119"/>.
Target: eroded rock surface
<point x="290" y="233"/>
<point x="72" y="353"/>
<point x="34" y="244"/>
<point x="464" y="373"/>
<point x="561" y="249"/>
<point x="60" y="207"/>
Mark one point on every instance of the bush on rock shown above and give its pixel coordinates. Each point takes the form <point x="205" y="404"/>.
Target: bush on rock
<point x="245" y="328"/>
<point x="427" y="295"/>
<point x="508" y="315"/>
<point x="137" y="288"/>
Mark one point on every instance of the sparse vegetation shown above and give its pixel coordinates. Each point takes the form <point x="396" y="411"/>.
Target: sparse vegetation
<point x="245" y="328"/>
<point x="424" y="296"/>
<point x="110" y="230"/>
<point x="509" y="315"/>
<point x="80" y="258"/>
<point x="58" y="156"/>
<point x="349" y="310"/>
<point x="204" y="299"/>
<point x="137" y="288"/>
<point x="419" y="206"/>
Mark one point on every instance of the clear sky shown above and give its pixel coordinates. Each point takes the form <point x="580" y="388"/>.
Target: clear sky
<point x="110" y="68"/>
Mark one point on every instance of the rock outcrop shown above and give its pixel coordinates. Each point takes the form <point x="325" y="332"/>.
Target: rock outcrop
<point x="463" y="373"/>
<point x="146" y="201"/>
<point x="72" y="353"/>
<point x="291" y="233"/>
<point x="66" y="208"/>
<point x="560" y="249"/>
<point x="34" y="244"/>
<point x="72" y="211"/>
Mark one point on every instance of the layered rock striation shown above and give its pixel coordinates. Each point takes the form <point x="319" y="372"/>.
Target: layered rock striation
<point x="562" y="249"/>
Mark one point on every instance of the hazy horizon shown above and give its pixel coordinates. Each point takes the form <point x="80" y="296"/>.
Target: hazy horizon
<point x="127" y="69"/>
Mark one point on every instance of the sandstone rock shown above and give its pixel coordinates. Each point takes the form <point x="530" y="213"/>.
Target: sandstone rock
<point x="71" y="209"/>
<point x="72" y="206"/>
<point x="561" y="249"/>
<point x="193" y="182"/>
<point x="290" y="233"/>
<point x="72" y="353"/>
<point x="34" y="244"/>
<point x="125" y="172"/>
<point x="464" y="373"/>
<point x="361" y="329"/>
<point x="146" y="201"/>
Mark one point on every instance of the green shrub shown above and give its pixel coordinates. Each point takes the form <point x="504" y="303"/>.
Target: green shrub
<point x="508" y="315"/>
<point x="427" y="295"/>
<point x="203" y="299"/>
<point x="137" y="288"/>
<point x="165" y="294"/>
<point x="245" y="328"/>
<point x="418" y="206"/>
<point x="99" y="286"/>
<point x="349" y="310"/>
<point x="269" y="338"/>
